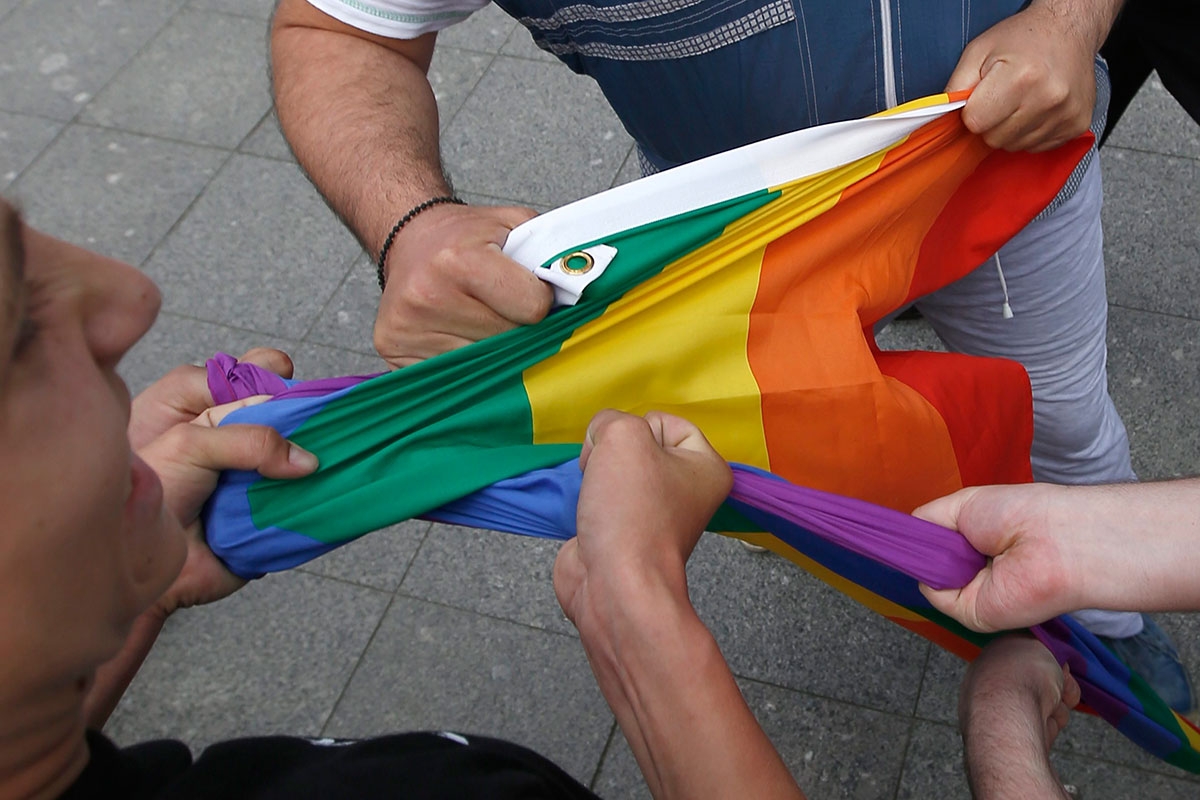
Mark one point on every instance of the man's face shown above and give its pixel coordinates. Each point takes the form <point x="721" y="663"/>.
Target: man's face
<point x="85" y="544"/>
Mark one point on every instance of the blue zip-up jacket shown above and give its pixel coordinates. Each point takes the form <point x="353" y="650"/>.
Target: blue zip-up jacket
<point x="690" y="78"/>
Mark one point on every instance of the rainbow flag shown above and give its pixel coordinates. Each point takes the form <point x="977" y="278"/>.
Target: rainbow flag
<point x="739" y="292"/>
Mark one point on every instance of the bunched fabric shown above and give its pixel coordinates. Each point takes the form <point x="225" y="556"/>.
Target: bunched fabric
<point x="739" y="292"/>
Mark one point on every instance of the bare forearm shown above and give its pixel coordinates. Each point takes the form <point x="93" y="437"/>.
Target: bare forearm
<point x="678" y="704"/>
<point x="1138" y="547"/>
<point x="1090" y="19"/>
<point x="1005" y="753"/>
<point x="360" y="117"/>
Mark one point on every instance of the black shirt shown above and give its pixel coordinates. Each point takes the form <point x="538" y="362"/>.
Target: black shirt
<point x="420" y="766"/>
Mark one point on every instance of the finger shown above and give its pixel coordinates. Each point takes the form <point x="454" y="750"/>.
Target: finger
<point x="993" y="101"/>
<point x="511" y="292"/>
<point x="512" y="216"/>
<point x="213" y="416"/>
<point x="961" y="604"/>
<point x="257" y="448"/>
<point x="676" y="432"/>
<point x="403" y="350"/>
<point x="428" y="312"/>
<point x="589" y="444"/>
<point x="679" y="437"/>
<point x="270" y="359"/>
<point x="945" y="511"/>
<point x="967" y="72"/>
<point x="602" y="423"/>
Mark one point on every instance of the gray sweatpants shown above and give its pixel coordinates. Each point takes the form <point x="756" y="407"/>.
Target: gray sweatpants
<point x="1054" y="271"/>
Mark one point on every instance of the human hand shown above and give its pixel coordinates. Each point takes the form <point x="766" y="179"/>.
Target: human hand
<point x="650" y="485"/>
<point x="1013" y="703"/>
<point x="449" y="284"/>
<point x="1033" y="78"/>
<point x="188" y="458"/>
<point x="1033" y="539"/>
<point x="182" y="395"/>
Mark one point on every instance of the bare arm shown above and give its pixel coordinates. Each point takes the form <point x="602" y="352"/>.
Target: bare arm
<point x="359" y="114"/>
<point x="649" y="487"/>
<point x="1012" y="705"/>
<point x="1056" y="549"/>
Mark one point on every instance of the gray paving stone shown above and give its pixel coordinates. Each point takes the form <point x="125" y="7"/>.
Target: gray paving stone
<point x="1098" y="780"/>
<point x="1154" y="382"/>
<point x="939" y="687"/>
<point x="1152" y="231"/>
<point x="453" y="75"/>
<point x="933" y="765"/>
<point x="489" y="572"/>
<point x="933" y="770"/>
<point x="1155" y="122"/>
<point x="259" y="250"/>
<point x="489" y="200"/>
<point x="485" y="31"/>
<point x="630" y="171"/>
<point x="267" y="140"/>
<point x="319" y="361"/>
<point x="349" y="319"/>
<point x="378" y="560"/>
<point x="55" y="55"/>
<point x="7" y="6"/>
<point x="271" y="659"/>
<point x="834" y="750"/>
<point x="563" y="144"/>
<point x="777" y="624"/>
<point x="203" y="79"/>
<point x="113" y="192"/>
<point x="520" y="44"/>
<point x="257" y="9"/>
<point x="432" y="667"/>
<point x="176" y="340"/>
<point x="1085" y="735"/>
<point x="22" y="139"/>
<point x="909" y="334"/>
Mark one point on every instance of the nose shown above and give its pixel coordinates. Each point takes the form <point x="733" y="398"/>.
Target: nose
<point x="120" y="306"/>
<point x="116" y="303"/>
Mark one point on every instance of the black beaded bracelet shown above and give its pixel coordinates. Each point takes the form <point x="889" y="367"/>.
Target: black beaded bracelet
<point x="407" y="218"/>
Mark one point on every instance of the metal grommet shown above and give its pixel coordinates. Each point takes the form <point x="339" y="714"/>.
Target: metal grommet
<point x="577" y="263"/>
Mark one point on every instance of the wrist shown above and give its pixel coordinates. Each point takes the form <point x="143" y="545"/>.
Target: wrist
<point x="1090" y="19"/>
<point x="626" y="609"/>
<point x="381" y="268"/>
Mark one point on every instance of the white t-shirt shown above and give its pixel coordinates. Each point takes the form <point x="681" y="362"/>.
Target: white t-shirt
<point x="399" y="19"/>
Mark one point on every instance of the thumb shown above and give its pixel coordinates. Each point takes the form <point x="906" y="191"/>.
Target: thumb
<point x="961" y="604"/>
<point x="247" y="447"/>
<point x="188" y="459"/>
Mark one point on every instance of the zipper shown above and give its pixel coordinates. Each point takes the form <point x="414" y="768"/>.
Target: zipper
<point x="889" y="62"/>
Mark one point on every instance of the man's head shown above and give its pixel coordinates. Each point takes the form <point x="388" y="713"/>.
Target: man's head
<point x="85" y="544"/>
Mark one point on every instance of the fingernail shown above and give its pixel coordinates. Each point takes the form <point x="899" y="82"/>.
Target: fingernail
<point x="301" y="458"/>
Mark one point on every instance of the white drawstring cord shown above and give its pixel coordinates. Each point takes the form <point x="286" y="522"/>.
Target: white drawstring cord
<point x="1005" y="310"/>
